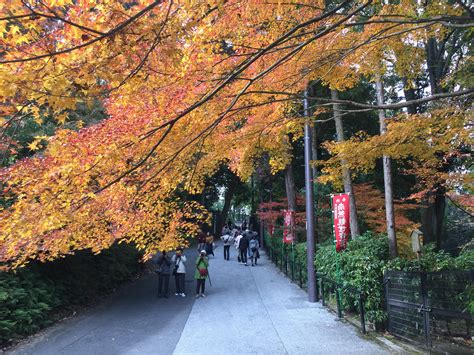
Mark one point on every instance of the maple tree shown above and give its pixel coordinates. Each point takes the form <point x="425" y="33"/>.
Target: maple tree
<point x="187" y="85"/>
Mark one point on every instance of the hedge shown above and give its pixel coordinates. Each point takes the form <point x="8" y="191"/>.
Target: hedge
<point x="32" y="297"/>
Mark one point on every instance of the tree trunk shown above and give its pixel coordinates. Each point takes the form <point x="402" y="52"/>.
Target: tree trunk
<point x="229" y="193"/>
<point x="290" y="187"/>
<point x="433" y="63"/>
<point x="346" y="174"/>
<point x="387" y="177"/>
<point x="410" y="95"/>
<point x="432" y="217"/>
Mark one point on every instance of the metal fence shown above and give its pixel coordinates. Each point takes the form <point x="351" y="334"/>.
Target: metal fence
<point x="430" y="307"/>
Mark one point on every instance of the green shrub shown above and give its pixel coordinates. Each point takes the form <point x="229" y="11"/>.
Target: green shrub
<point x="365" y="259"/>
<point x="26" y="300"/>
<point x="31" y="297"/>
<point x="360" y="266"/>
<point x="432" y="260"/>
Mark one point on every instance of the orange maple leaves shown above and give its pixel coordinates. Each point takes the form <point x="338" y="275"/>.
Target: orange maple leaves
<point x="187" y="85"/>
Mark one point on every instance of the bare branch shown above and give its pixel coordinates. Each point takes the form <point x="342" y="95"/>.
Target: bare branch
<point x="467" y="92"/>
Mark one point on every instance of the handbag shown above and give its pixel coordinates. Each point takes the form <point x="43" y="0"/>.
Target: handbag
<point x="202" y="272"/>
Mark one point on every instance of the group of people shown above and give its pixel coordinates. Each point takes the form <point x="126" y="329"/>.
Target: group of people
<point x="206" y="242"/>
<point x="176" y="266"/>
<point x="245" y="241"/>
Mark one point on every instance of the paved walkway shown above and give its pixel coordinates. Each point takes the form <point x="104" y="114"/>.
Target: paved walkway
<point x="249" y="310"/>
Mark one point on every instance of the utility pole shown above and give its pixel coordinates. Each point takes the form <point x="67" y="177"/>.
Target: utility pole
<point x="309" y="204"/>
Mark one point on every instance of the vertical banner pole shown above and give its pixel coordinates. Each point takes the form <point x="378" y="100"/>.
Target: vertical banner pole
<point x="293" y="261"/>
<point x="338" y="271"/>
<point x="340" y="206"/>
<point x="309" y="187"/>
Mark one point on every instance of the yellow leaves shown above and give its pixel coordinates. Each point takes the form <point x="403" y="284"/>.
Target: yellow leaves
<point x="57" y="2"/>
<point x="15" y="30"/>
<point x="33" y="145"/>
<point x="425" y="139"/>
<point x="37" y="143"/>
<point x="294" y="127"/>
<point x="58" y="205"/>
<point x="61" y="118"/>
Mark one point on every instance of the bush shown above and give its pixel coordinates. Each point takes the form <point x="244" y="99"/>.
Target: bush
<point x="360" y="266"/>
<point x="432" y="260"/>
<point x="26" y="300"/>
<point x="31" y="297"/>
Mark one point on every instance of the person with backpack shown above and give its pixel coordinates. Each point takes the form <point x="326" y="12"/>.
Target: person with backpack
<point x="179" y="272"/>
<point x="227" y="239"/>
<point x="201" y="274"/>
<point x="254" y="245"/>
<point x="163" y="269"/>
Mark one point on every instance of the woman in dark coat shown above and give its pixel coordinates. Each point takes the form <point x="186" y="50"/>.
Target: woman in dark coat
<point x="163" y="269"/>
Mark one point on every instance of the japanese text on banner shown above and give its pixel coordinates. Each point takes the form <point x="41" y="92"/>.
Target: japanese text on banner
<point x="289" y="224"/>
<point x="342" y="230"/>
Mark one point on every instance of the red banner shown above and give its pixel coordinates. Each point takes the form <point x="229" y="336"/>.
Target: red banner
<point x="289" y="227"/>
<point x="342" y="228"/>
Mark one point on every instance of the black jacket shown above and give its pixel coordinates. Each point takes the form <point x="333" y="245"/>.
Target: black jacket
<point x="244" y="243"/>
<point x="164" y="264"/>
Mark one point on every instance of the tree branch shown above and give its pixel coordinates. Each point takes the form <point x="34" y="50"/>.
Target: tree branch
<point x="108" y="34"/>
<point x="467" y="92"/>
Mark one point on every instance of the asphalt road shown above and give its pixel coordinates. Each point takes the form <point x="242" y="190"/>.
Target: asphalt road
<point x="132" y="321"/>
<point x="249" y="310"/>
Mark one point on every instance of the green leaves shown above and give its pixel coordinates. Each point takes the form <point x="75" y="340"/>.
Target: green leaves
<point x="361" y="267"/>
<point x="31" y="297"/>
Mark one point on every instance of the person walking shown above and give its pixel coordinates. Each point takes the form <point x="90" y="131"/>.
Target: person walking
<point x="238" y="235"/>
<point x="227" y="239"/>
<point x="179" y="260"/>
<point x="227" y="229"/>
<point x="163" y="270"/>
<point x="243" y="246"/>
<point x="209" y="244"/>
<point x="201" y="240"/>
<point x="254" y="245"/>
<point x="201" y="273"/>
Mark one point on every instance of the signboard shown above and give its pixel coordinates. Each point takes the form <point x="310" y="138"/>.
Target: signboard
<point x="416" y="240"/>
<point x="342" y="228"/>
<point x="289" y="226"/>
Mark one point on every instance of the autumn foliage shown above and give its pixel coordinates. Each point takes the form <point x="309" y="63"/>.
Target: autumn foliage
<point x="187" y="85"/>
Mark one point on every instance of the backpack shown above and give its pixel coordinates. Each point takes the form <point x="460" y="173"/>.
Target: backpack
<point x="253" y="245"/>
